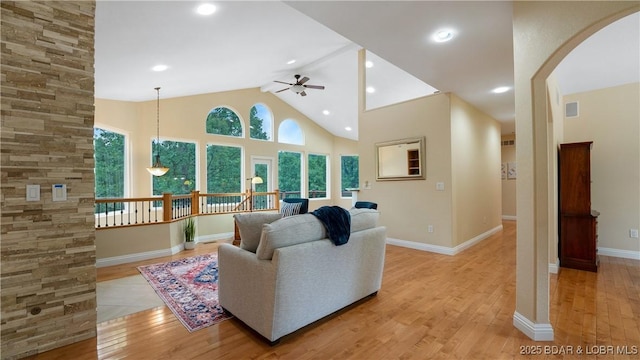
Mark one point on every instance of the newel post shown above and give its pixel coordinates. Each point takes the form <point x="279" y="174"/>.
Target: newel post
<point x="195" y="202"/>
<point x="166" y="207"/>
<point x="277" y="200"/>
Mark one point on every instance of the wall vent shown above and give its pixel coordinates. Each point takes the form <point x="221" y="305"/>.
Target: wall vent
<point x="508" y="142"/>
<point x="571" y="109"/>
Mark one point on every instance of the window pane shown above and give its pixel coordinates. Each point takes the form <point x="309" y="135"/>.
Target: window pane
<point x="289" y="174"/>
<point x="109" y="163"/>
<point x="224" y="121"/>
<point x="262" y="170"/>
<point x="260" y="122"/>
<point x="180" y="158"/>
<point x="349" y="175"/>
<point x="290" y="132"/>
<point x="224" y="169"/>
<point x="317" y="176"/>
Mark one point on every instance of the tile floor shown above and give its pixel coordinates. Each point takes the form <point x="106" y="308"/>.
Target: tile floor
<point x="124" y="296"/>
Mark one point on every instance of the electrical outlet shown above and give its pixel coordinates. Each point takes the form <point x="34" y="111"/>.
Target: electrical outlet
<point x="430" y="228"/>
<point x="633" y="233"/>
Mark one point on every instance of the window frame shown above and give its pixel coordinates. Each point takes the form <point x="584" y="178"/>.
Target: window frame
<point x="327" y="169"/>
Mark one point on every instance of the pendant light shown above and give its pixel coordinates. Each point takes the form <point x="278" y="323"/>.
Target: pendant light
<point x="157" y="169"/>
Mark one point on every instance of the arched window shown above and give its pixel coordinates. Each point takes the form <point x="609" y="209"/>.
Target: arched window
<point x="289" y="132"/>
<point x="260" y="123"/>
<point x="224" y="121"/>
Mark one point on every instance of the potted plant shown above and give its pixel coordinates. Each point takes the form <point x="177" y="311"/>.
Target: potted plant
<point x="189" y="233"/>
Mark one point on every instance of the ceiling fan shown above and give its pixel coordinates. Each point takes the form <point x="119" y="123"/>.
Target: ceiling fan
<point x="299" y="87"/>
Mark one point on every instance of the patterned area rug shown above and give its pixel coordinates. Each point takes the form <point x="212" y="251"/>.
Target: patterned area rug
<point x="189" y="287"/>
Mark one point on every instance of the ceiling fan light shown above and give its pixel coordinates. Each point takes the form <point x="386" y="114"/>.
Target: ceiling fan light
<point x="297" y="88"/>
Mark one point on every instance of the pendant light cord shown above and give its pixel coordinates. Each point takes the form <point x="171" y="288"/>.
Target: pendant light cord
<point x="158" y="120"/>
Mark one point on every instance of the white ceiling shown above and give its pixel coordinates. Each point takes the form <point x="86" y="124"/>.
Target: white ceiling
<point x="246" y="44"/>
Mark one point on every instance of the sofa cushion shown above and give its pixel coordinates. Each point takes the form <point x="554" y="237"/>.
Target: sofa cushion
<point x="362" y="219"/>
<point x="289" y="209"/>
<point x="250" y="227"/>
<point x="290" y="230"/>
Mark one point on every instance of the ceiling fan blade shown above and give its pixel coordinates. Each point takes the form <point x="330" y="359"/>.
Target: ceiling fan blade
<point x="303" y="94"/>
<point x="320" y="87"/>
<point x="282" y="82"/>
<point x="282" y="90"/>
<point x="303" y="80"/>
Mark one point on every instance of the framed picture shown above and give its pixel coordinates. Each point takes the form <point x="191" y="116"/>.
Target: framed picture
<point x="511" y="170"/>
<point x="503" y="171"/>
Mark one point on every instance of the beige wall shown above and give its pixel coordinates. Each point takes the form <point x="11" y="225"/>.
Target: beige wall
<point x="611" y="119"/>
<point x="183" y="119"/>
<point x="475" y="168"/>
<point x="408" y="207"/>
<point x="508" y="154"/>
<point x="555" y="135"/>
<point x="544" y="33"/>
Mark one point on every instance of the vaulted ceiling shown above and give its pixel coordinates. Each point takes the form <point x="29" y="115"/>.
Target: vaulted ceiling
<point x="249" y="44"/>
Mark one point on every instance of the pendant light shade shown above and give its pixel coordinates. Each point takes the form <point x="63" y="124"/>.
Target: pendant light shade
<point x="157" y="169"/>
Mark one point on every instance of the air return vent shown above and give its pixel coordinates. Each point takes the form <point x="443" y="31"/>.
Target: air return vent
<point x="571" y="109"/>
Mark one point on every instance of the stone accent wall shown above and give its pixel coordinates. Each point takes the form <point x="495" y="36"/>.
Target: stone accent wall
<point x="47" y="249"/>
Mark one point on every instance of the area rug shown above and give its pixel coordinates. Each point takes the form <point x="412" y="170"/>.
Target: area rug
<point x="189" y="287"/>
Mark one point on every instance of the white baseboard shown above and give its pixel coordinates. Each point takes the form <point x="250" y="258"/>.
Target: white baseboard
<point x="443" y="249"/>
<point x="509" y="217"/>
<point x="627" y="254"/>
<point x="129" y="258"/>
<point x="536" y="332"/>
<point x="214" y="237"/>
<point x="554" y="267"/>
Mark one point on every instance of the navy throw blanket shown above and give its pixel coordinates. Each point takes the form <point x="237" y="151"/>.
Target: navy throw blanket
<point x="337" y="222"/>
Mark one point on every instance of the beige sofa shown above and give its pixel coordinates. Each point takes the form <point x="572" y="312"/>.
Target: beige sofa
<point x="297" y="275"/>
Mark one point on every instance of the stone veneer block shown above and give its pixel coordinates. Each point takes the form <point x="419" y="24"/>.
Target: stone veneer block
<point x="48" y="257"/>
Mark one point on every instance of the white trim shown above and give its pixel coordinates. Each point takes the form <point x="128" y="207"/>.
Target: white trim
<point x="214" y="237"/>
<point x="626" y="254"/>
<point x="129" y="258"/>
<point x="124" y="259"/>
<point x="443" y="249"/>
<point x="536" y="332"/>
<point x="509" y="217"/>
<point x="554" y="267"/>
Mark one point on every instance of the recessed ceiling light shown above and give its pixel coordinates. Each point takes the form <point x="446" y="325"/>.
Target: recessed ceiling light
<point x="443" y="35"/>
<point x="368" y="64"/>
<point x="292" y="61"/>
<point x="501" y="89"/>
<point x="160" y="67"/>
<point x="326" y="112"/>
<point x="371" y="89"/>
<point x="348" y="128"/>
<point x="206" y="9"/>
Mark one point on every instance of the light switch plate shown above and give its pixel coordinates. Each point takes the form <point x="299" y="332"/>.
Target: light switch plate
<point x="33" y="192"/>
<point x="59" y="192"/>
<point x="440" y="186"/>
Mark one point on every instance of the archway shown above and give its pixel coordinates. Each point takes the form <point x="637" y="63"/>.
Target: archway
<point x="544" y="33"/>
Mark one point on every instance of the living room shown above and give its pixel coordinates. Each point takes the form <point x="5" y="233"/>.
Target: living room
<point x="451" y="216"/>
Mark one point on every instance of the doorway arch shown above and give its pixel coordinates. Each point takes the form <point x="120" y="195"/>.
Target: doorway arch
<point x="544" y="33"/>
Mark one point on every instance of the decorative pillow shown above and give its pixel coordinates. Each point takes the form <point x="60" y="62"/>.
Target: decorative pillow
<point x="362" y="219"/>
<point x="289" y="209"/>
<point x="289" y="231"/>
<point x="250" y="227"/>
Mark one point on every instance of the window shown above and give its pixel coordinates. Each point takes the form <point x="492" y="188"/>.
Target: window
<point x="224" y="169"/>
<point x="317" y="176"/>
<point x="180" y="158"/>
<point x="349" y="174"/>
<point x="289" y="132"/>
<point x="260" y="122"/>
<point x="109" y="163"/>
<point x="224" y="121"/>
<point x="290" y="174"/>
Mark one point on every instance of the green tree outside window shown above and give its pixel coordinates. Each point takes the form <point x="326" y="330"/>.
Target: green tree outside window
<point x="317" y="176"/>
<point x="349" y="174"/>
<point x="223" y="121"/>
<point x="180" y="158"/>
<point x="289" y="173"/>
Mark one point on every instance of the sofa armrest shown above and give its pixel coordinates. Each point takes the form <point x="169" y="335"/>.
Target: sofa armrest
<point x="246" y="287"/>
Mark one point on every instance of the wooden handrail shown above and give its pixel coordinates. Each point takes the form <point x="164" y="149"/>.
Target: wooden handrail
<point x="118" y="212"/>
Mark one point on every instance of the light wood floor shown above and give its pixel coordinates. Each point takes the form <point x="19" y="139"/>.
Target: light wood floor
<point x="430" y="307"/>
